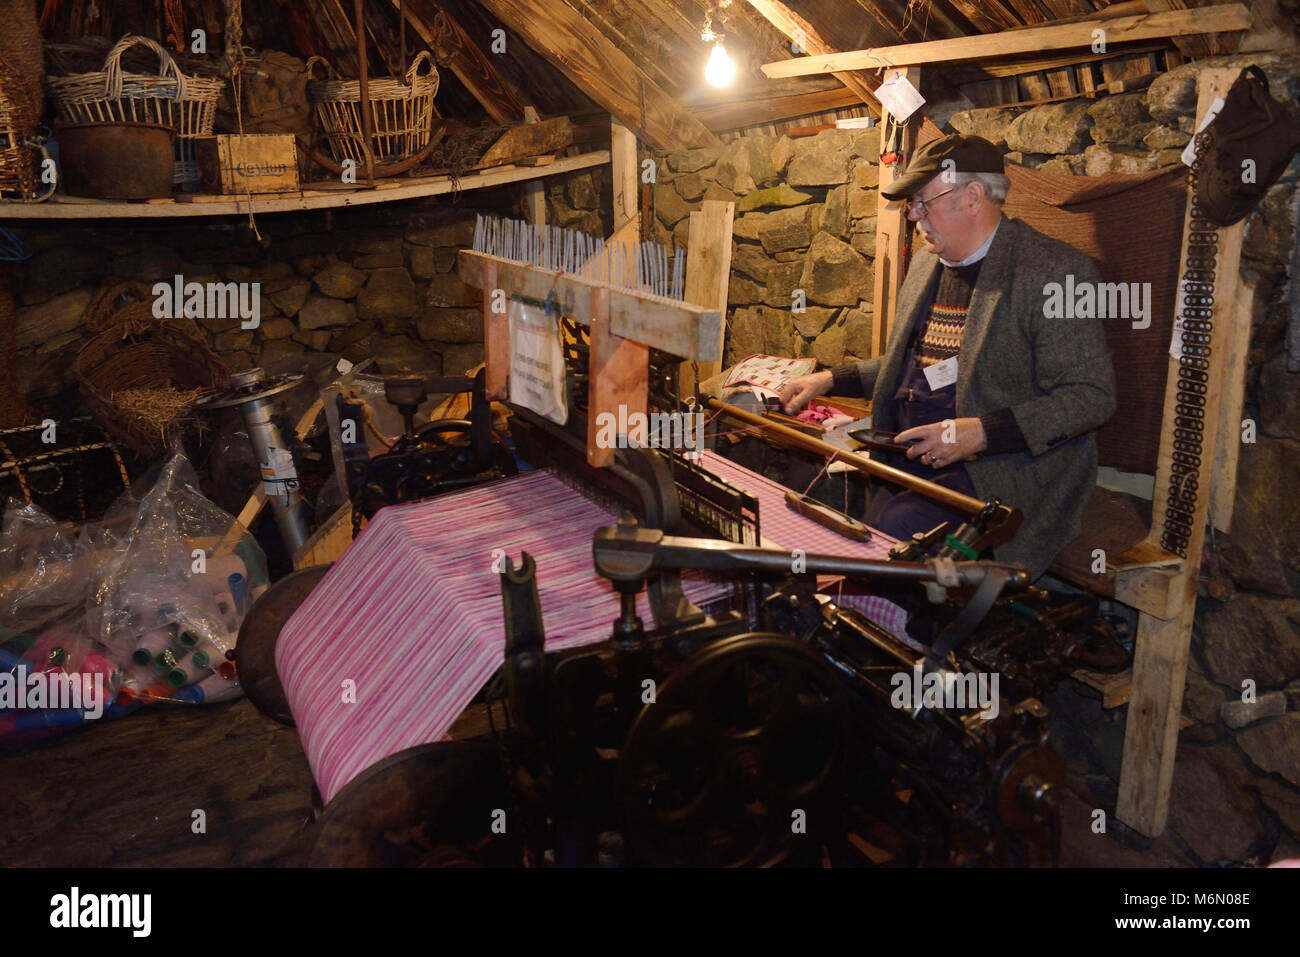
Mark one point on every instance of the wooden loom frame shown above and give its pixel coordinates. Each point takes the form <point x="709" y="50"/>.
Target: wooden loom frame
<point x="624" y="325"/>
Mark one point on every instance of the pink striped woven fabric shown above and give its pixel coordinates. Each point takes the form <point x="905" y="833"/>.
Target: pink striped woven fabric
<point x="406" y="628"/>
<point x="782" y="527"/>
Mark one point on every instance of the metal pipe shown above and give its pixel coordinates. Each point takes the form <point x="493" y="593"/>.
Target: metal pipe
<point x="945" y="496"/>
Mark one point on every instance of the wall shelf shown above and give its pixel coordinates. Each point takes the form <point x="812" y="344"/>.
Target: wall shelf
<point x="384" y="191"/>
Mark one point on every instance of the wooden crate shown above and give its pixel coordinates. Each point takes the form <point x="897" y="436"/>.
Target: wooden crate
<point x="252" y="163"/>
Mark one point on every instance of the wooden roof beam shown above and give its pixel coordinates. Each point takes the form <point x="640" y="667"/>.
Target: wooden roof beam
<point x="1217" y="19"/>
<point x="470" y="64"/>
<point x="792" y="25"/>
<point x="593" y="64"/>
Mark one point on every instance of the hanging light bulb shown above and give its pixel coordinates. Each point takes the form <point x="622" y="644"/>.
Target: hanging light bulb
<point x="720" y="70"/>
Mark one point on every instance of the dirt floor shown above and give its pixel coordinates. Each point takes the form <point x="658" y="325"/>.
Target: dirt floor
<point x="126" y="793"/>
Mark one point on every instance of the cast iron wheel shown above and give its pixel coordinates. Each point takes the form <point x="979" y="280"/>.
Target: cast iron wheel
<point x="743" y="736"/>
<point x="255" y="649"/>
<point x="433" y="805"/>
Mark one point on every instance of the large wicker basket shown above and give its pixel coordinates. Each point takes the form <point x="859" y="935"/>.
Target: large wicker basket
<point x="401" y="111"/>
<point x="136" y="353"/>
<point x="188" y="104"/>
<point x="19" y="154"/>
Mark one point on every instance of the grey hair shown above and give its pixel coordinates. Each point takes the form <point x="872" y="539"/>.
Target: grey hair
<point x="995" y="184"/>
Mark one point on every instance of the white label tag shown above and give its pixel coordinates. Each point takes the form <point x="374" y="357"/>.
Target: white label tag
<point x="1189" y="151"/>
<point x="899" y="97"/>
<point x="537" y="362"/>
<point x="941" y="374"/>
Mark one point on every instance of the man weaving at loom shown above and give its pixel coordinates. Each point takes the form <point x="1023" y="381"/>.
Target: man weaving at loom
<point x="996" y="399"/>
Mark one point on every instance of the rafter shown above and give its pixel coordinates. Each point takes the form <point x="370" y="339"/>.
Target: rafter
<point x="602" y="71"/>
<point x="471" y="66"/>
<point x="1221" y="18"/>
<point x="793" y="25"/>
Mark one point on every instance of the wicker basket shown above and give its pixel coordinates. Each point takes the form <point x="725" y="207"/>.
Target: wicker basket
<point x="137" y="353"/>
<point x="188" y="104"/>
<point x="401" y="112"/>
<point x="19" y="155"/>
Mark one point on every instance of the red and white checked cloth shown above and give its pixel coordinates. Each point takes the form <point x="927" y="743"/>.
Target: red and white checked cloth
<point x="406" y="628"/>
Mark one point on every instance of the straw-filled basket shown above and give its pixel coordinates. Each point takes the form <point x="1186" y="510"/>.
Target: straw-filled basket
<point x="188" y="104"/>
<point x="401" y="112"/>
<point x="140" y="376"/>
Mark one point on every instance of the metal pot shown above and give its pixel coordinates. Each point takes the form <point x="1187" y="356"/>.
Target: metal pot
<point x="116" y="160"/>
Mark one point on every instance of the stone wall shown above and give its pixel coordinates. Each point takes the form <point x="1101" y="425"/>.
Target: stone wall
<point x="805" y="213"/>
<point x="366" y="281"/>
<point x="805" y="221"/>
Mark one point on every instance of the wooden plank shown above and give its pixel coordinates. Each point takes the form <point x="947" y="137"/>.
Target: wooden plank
<point x="794" y="27"/>
<point x="1223" y="493"/>
<point x="891" y="234"/>
<point x="559" y="33"/>
<point x="1195" y="45"/>
<point x="708" y="274"/>
<point x="735" y="116"/>
<point x="453" y="46"/>
<point x="1160" y="656"/>
<point x="623" y="174"/>
<point x="311" y="198"/>
<point x="1219" y="18"/>
<point x="528" y="139"/>
<point x="678" y="328"/>
<point x="619" y="377"/>
<point x="968" y="73"/>
<point x="1114" y="687"/>
<point x="328" y="542"/>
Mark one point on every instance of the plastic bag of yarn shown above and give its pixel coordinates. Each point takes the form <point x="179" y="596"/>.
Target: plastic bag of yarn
<point x="169" y="603"/>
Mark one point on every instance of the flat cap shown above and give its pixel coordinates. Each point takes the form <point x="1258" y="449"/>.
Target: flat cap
<point x="958" y="153"/>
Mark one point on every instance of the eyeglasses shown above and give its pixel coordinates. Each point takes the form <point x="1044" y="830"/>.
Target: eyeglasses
<point x="918" y="206"/>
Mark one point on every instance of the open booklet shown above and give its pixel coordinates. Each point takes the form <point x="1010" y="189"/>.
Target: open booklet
<point x="767" y="375"/>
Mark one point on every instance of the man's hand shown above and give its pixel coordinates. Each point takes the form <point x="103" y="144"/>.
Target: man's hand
<point x="964" y="439"/>
<point x="799" y="392"/>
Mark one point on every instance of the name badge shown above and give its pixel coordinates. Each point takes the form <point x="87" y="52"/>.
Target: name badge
<point x="941" y="374"/>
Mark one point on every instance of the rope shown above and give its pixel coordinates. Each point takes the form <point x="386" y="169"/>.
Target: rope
<point x="237" y="61"/>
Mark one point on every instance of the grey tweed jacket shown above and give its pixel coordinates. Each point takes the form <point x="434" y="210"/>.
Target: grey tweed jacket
<point x="1055" y="376"/>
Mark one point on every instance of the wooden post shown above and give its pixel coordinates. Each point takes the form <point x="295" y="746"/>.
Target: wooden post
<point x="496" y="338"/>
<point x="623" y="170"/>
<point x="708" y="273"/>
<point x="618" y="382"/>
<point x="534" y="189"/>
<point x="1160" y="655"/>
<point x="891" y="229"/>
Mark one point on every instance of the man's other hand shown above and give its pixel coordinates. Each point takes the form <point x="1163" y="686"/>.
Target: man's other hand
<point x="799" y="392"/>
<point x="965" y="439"/>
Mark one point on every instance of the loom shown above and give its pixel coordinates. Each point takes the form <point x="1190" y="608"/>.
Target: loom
<point x="673" y="664"/>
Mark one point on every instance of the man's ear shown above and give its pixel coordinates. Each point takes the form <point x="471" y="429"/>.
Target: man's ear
<point x="974" y="199"/>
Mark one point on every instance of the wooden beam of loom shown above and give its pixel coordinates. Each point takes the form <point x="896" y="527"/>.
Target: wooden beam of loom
<point x="602" y="71"/>
<point x="679" y="328"/>
<point x="795" y="27"/>
<point x="1221" y="18"/>
<point x="1161" y="650"/>
<point x="469" y="63"/>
